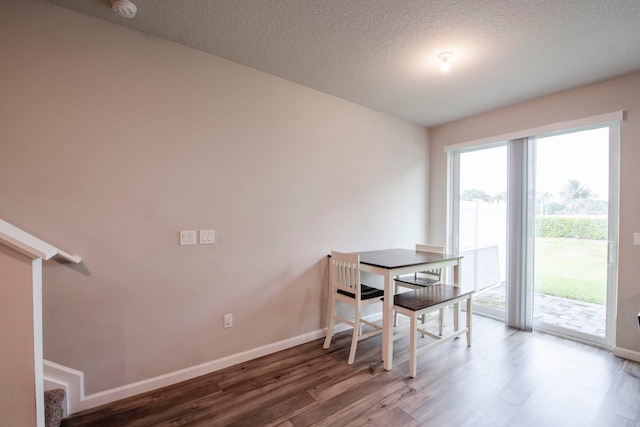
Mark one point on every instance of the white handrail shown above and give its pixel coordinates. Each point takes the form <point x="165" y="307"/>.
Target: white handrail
<point x="31" y="245"/>
<point x="68" y="257"/>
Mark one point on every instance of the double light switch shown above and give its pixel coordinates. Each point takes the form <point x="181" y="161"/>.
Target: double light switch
<point x="189" y="237"/>
<point x="207" y="237"/>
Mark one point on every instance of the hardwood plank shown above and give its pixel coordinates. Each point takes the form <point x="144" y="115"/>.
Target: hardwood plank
<point x="353" y="403"/>
<point x="148" y="403"/>
<point x="227" y="407"/>
<point x="265" y="414"/>
<point x="387" y="412"/>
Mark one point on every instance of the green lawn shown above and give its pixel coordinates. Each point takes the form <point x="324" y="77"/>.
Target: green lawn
<point x="571" y="268"/>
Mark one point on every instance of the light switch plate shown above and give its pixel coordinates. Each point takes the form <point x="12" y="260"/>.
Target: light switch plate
<point x="636" y="238"/>
<point x="187" y="237"/>
<point x="207" y="237"/>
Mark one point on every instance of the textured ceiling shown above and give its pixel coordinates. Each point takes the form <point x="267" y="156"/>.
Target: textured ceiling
<point x="383" y="53"/>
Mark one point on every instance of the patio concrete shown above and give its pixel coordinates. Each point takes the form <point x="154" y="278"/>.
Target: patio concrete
<point x="579" y="316"/>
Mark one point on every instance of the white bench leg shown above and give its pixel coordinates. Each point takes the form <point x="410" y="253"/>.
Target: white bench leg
<point x="456" y="316"/>
<point x="413" y="353"/>
<point x="469" y="321"/>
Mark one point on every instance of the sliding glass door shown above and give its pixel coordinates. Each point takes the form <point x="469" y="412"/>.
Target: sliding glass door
<point x="536" y="221"/>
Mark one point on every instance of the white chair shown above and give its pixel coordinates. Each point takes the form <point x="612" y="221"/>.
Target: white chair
<point x="421" y="280"/>
<point x="425" y="300"/>
<point x="345" y="286"/>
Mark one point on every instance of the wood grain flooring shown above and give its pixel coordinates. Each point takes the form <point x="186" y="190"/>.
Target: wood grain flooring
<point x="507" y="378"/>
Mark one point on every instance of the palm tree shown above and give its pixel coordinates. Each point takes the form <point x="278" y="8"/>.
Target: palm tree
<point x="579" y="200"/>
<point x="574" y="190"/>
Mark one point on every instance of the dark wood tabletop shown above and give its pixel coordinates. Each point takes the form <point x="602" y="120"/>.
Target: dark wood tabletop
<point x="398" y="258"/>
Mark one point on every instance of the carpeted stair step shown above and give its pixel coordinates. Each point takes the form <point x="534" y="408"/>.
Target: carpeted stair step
<point x="53" y="407"/>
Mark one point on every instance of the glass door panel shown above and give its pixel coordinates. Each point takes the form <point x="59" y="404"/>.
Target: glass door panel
<point x="482" y="227"/>
<point x="571" y="238"/>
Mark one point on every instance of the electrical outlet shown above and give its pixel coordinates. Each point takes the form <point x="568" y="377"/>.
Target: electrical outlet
<point x="228" y="320"/>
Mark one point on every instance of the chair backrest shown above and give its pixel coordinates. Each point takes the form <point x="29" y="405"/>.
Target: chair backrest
<point x="345" y="272"/>
<point x="430" y="248"/>
<point x="432" y="274"/>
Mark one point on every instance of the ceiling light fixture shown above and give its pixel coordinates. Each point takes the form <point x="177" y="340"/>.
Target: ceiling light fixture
<point x="124" y="8"/>
<point x="445" y="59"/>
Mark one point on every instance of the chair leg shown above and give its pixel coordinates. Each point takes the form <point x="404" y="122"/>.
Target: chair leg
<point x="354" y="338"/>
<point x="327" y="340"/>
<point x="440" y="321"/>
<point x="413" y="354"/>
<point x="395" y="313"/>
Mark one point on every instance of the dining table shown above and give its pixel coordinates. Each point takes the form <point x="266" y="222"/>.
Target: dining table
<point x="391" y="263"/>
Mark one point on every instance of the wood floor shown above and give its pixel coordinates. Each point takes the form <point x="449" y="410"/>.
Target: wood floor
<point x="507" y="378"/>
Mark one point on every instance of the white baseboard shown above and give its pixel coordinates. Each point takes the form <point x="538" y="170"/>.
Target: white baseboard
<point x="73" y="380"/>
<point x="626" y="354"/>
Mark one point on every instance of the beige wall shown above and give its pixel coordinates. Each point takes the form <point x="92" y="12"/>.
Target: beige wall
<point x="17" y="376"/>
<point x="614" y="95"/>
<point x="112" y="141"/>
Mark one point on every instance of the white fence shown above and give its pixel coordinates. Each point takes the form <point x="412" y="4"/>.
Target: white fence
<point x="483" y="237"/>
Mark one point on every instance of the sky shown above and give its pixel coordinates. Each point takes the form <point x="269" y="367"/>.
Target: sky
<point x="583" y="156"/>
<point x="580" y="155"/>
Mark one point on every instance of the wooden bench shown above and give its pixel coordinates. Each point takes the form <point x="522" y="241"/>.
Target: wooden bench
<point x="425" y="300"/>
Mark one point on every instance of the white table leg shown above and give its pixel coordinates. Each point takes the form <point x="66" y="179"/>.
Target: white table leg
<point x="387" y="322"/>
